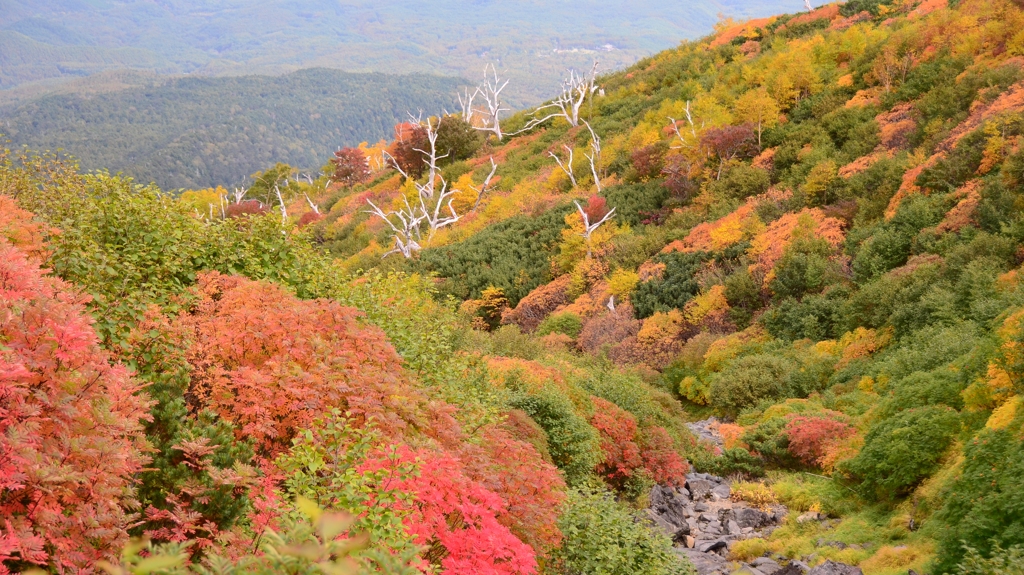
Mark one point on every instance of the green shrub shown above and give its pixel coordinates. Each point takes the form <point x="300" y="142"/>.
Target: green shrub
<point x="984" y="508"/>
<point x="740" y="181"/>
<point x="748" y="381"/>
<point x="566" y="323"/>
<point x="731" y="462"/>
<point x="603" y="537"/>
<point x="677" y="286"/>
<point x="770" y="442"/>
<point x="632" y="202"/>
<point x="1001" y="562"/>
<point x="513" y="255"/>
<point x="805" y="267"/>
<point x="743" y="295"/>
<point x="816" y="317"/>
<point x="573" y="443"/>
<point x="903" y="450"/>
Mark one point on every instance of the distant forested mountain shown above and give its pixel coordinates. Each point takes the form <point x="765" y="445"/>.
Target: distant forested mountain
<point x="197" y="132"/>
<point x="534" y="40"/>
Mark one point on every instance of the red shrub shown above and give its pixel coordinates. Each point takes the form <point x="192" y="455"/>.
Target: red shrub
<point x="456" y="519"/>
<point x="811" y="436"/>
<point x="596" y="208"/>
<point x="17" y="227"/>
<point x="70" y="434"/>
<point x="271" y="363"/>
<point x="609" y="329"/>
<point x="309" y="217"/>
<point x="532" y="488"/>
<point x="730" y="142"/>
<point x="539" y="304"/>
<point x="648" y="161"/>
<point x="406" y="150"/>
<point x="245" y="208"/>
<point x="350" y="166"/>
<point x="618" y="432"/>
<point x="661" y="458"/>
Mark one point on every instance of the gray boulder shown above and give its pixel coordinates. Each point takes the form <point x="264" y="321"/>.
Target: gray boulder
<point x="833" y="568"/>
<point x="706" y="563"/>
<point x="670" y="504"/>
<point x="699" y="488"/>
<point x="766" y="565"/>
<point x="748" y="517"/>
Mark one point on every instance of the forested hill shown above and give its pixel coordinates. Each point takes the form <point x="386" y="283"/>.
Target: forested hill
<point x="196" y="132"/>
<point x="752" y="305"/>
<point x="533" y="40"/>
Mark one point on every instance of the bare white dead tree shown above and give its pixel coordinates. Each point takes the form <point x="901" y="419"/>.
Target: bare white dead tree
<point x="406" y="229"/>
<point x="691" y="124"/>
<point x="567" y="165"/>
<point x="595" y="155"/>
<point x="575" y="90"/>
<point x="590" y="228"/>
<point x="239" y="194"/>
<point x="312" y="205"/>
<point x="807" y="3"/>
<point x="280" y="200"/>
<point x="466" y="104"/>
<point x="490" y="90"/>
<point x="433" y="206"/>
<point x="486" y="185"/>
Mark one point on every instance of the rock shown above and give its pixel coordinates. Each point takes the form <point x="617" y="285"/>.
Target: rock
<point x="701" y="507"/>
<point x="711" y="546"/>
<point x="721" y="491"/>
<point x="670" y="505"/>
<point x="833" y="568"/>
<point x="766" y="565"/>
<point x="690" y="541"/>
<point x="705" y="563"/>
<point x="747" y="570"/>
<point x="821" y="542"/>
<point x="794" y="568"/>
<point x="706" y="430"/>
<point x="699" y="488"/>
<point x="675" y="532"/>
<point x="809" y="516"/>
<point x="749" y="517"/>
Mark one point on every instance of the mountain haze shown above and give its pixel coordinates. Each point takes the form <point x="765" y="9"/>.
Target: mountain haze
<point x="533" y="40"/>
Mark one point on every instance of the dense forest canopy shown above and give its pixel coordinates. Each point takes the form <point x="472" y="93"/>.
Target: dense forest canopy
<point x="196" y="132"/>
<point x="752" y="305"/>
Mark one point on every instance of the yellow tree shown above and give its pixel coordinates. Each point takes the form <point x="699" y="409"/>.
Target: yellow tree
<point x="758" y="107"/>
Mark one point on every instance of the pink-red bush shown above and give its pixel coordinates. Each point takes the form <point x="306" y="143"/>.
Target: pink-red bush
<point x="70" y="434"/>
<point x="811" y="436"/>
<point x="661" y="458"/>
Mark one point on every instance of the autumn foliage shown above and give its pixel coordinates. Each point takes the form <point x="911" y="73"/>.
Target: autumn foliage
<point x="272" y="363"/>
<point x="811" y="437"/>
<point x="351" y="166"/>
<point x="71" y="439"/>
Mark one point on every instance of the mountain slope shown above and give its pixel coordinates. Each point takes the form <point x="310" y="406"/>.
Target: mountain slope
<point x="817" y="239"/>
<point x="532" y="40"/>
<point x="197" y="132"/>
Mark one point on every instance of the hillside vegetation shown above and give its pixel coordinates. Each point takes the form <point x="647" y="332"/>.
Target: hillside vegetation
<point x="196" y="132"/>
<point x="468" y="354"/>
<point x="534" y="41"/>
